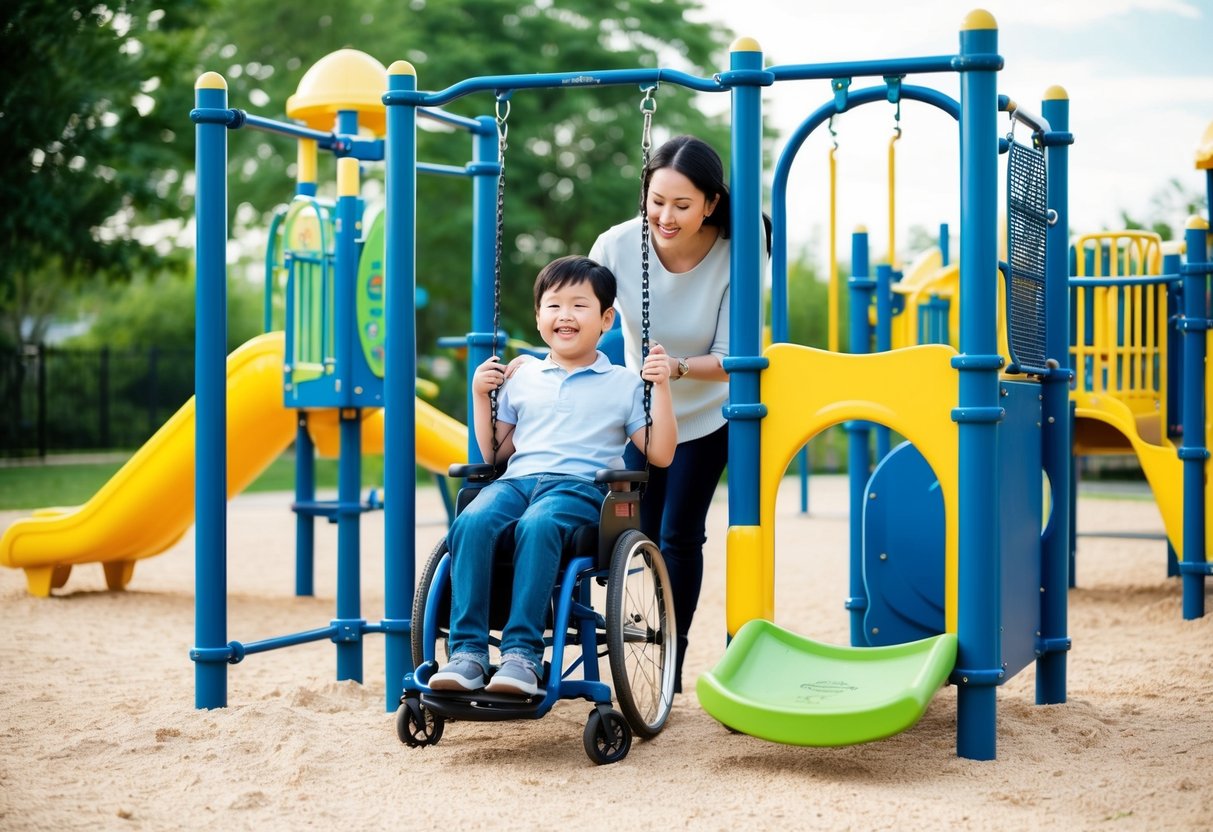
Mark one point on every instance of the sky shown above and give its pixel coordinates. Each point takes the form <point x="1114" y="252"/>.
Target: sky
<point x="1137" y="73"/>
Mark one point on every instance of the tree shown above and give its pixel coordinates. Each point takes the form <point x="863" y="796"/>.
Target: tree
<point x="1168" y="211"/>
<point x="99" y="147"/>
<point x="93" y="147"/>
<point x="573" y="157"/>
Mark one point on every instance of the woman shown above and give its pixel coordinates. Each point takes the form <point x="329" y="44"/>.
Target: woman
<point x="686" y="201"/>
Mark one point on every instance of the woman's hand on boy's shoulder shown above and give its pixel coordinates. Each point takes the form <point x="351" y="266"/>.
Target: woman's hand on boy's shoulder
<point x="518" y="361"/>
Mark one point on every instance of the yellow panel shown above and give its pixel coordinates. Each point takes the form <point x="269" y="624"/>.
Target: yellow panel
<point x="749" y="577"/>
<point x="912" y="391"/>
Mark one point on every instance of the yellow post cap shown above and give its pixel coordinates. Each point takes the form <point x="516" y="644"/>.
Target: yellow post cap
<point x="1197" y="223"/>
<point x="1204" y="150"/>
<point x="210" y="81"/>
<point x="343" y="80"/>
<point x="1056" y="93"/>
<point x="979" y="19"/>
<point x="861" y="229"/>
<point x="347" y="176"/>
<point x="401" y="68"/>
<point x="745" y="44"/>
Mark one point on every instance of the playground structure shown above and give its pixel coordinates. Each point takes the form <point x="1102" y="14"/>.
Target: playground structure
<point x="1131" y="338"/>
<point x="267" y="407"/>
<point x="1005" y="581"/>
<point x="996" y="565"/>
<point x="115" y="529"/>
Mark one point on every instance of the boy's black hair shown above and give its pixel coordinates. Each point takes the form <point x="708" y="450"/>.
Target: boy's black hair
<point x="572" y="269"/>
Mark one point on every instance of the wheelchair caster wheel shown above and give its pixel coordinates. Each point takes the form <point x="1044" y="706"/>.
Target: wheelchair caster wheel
<point x="607" y="737"/>
<point x="417" y="725"/>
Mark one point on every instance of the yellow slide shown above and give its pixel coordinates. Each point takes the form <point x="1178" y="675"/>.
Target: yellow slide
<point x="149" y="503"/>
<point x="1160" y="463"/>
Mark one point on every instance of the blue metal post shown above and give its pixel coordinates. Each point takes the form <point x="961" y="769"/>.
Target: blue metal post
<point x="1195" y="455"/>
<point x="859" y="455"/>
<point x="210" y="653"/>
<point x="349" y="624"/>
<point x="746" y="362"/>
<point x="945" y="245"/>
<point x="400" y="372"/>
<point x="1056" y="445"/>
<point x="484" y="248"/>
<point x="979" y="668"/>
<point x="305" y="521"/>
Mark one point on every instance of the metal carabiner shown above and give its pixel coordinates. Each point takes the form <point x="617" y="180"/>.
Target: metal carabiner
<point x="648" y="106"/>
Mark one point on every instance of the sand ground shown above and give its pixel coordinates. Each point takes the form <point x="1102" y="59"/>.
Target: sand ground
<point x="98" y="728"/>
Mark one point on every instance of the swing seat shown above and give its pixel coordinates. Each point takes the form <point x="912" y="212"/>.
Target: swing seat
<point x="779" y="686"/>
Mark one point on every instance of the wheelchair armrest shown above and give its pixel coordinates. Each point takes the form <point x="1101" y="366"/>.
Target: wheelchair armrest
<point x="476" y="472"/>
<point x="609" y="475"/>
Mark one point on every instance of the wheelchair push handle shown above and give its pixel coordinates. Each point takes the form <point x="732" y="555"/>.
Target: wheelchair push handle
<point x="616" y="476"/>
<point x="476" y="471"/>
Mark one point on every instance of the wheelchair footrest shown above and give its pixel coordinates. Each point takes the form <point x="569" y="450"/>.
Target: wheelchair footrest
<point x="482" y="706"/>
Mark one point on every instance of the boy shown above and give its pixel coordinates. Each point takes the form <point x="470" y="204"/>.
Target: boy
<point x="559" y="420"/>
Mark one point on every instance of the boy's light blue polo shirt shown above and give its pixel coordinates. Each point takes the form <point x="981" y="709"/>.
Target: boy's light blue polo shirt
<point x="570" y="423"/>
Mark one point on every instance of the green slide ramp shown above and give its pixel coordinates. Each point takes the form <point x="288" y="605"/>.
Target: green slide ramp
<point x="779" y="686"/>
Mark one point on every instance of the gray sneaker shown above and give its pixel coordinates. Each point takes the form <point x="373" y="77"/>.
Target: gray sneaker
<point x="460" y="673"/>
<point x="516" y="676"/>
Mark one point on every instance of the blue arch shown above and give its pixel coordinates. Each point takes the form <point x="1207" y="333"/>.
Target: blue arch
<point x="779" y="187"/>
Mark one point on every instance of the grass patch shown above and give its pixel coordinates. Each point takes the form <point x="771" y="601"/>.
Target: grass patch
<point x="38" y="486"/>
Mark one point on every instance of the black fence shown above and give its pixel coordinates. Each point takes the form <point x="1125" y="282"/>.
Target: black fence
<point x="56" y="400"/>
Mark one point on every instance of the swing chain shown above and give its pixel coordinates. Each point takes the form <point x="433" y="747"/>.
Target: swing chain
<point x="503" y="114"/>
<point x="833" y="132"/>
<point x="893" y="93"/>
<point x="648" y="106"/>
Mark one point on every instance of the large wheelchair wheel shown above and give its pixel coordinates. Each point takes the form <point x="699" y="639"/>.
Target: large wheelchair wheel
<point x="420" y="599"/>
<point x="640" y="633"/>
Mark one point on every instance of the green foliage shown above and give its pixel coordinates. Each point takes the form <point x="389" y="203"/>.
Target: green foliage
<point x="808" y="307"/>
<point x="94" y="141"/>
<point x="1167" y="212"/>
<point x="159" y="312"/>
<point x="573" y="157"/>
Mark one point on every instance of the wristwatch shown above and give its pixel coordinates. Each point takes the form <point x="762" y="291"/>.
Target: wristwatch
<point x="684" y="369"/>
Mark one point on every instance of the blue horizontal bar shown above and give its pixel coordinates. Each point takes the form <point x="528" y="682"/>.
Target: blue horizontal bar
<point x="284" y="128"/>
<point x="443" y="170"/>
<point x="554" y="80"/>
<point x="443" y="117"/>
<point x="856" y="69"/>
<point x="1037" y="123"/>
<point x="304" y="637"/>
<point x="1140" y="280"/>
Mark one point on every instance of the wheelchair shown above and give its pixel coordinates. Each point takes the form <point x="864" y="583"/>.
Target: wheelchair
<point x="634" y="630"/>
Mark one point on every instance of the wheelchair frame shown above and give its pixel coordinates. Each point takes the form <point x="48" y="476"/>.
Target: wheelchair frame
<point x="614" y="553"/>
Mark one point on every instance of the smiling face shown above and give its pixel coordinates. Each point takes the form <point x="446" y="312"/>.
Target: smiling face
<point x="570" y="319"/>
<point x="676" y="209"/>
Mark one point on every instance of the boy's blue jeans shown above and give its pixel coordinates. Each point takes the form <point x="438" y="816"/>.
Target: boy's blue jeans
<point x="543" y="512"/>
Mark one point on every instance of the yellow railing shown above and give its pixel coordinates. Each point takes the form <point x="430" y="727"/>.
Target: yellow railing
<point x="1119" y="342"/>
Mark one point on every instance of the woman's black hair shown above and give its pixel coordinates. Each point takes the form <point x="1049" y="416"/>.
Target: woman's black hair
<point x="697" y="161"/>
<point x="573" y="269"/>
